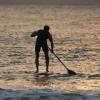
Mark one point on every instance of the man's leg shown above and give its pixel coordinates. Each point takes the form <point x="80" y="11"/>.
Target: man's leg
<point x="47" y="61"/>
<point x="45" y="49"/>
<point x="37" y="50"/>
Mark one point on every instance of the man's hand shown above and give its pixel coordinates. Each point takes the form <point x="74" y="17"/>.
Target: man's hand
<point x="51" y="50"/>
<point x="34" y="34"/>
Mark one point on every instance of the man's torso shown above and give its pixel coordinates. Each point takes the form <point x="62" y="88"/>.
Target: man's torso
<point x="42" y="37"/>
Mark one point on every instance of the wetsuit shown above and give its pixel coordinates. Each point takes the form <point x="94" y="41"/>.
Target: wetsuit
<point x="41" y="42"/>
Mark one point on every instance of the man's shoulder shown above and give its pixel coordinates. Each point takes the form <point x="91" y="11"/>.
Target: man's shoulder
<point x="40" y="30"/>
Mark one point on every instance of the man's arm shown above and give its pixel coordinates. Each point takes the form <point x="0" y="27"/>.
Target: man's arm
<point x="52" y="44"/>
<point x="34" y="34"/>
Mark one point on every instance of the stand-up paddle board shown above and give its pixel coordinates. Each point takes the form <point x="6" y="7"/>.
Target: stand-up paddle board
<point x="44" y="73"/>
<point x="52" y="74"/>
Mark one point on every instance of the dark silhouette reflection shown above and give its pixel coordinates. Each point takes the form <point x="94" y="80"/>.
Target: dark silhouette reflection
<point x="43" y="77"/>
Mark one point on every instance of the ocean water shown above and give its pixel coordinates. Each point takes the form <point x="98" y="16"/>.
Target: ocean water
<point x="76" y="34"/>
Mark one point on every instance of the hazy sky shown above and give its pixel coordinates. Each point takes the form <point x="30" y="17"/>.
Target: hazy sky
<point x="49" y="1"/>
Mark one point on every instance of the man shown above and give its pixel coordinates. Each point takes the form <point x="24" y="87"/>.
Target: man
<point x="41" y="42"/>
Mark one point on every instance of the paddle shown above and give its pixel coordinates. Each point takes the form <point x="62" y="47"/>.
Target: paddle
<point x="68" y="70"/>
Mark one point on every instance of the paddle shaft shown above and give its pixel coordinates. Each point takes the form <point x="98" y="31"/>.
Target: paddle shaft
<point x="59" y="60"/>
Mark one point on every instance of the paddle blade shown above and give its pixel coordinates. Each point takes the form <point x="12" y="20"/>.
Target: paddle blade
<point x="71" y="72"/>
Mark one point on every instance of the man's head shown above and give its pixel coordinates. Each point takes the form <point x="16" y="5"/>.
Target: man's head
<point x="46" y="28"/>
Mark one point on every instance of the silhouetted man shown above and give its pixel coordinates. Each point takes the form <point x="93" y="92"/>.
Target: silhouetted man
<point x="41" y="42"/>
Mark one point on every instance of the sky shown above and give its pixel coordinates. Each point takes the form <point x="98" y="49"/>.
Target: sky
<point x="79" y="2"/>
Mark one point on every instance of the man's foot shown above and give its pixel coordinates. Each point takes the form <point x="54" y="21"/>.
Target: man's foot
<point x="47" y="71"/>
<point x="36" y="71"/>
